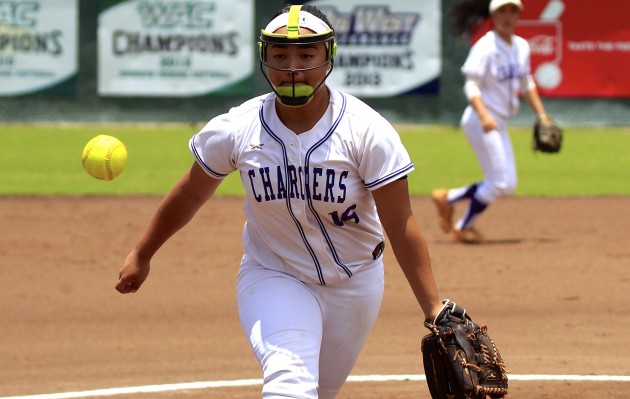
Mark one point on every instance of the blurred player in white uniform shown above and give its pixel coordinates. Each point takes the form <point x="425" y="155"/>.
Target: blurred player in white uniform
<point x="323" y="174"/>
<point x="497" y="72"/>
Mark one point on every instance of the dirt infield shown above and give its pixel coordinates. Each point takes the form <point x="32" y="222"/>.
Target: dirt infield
<point x="552" y="284"/>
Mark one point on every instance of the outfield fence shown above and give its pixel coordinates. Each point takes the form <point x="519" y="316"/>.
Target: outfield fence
<point x="445" y="107"/>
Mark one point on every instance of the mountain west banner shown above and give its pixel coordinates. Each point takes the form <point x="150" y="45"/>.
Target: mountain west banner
<point x="175" y="48"/>
<point x="385" y="48"/>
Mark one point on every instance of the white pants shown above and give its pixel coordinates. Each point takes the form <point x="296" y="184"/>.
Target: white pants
<point x="307" y="337"/>
<point x="495" y="155"/>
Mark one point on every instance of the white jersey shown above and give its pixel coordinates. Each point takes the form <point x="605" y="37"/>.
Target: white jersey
<point x="308" y="203"/>
<point x="500" y="69"/>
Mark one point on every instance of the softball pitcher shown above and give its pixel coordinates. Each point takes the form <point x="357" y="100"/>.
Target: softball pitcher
<point x="497" y="72"/>
<point x="324" y="174"/>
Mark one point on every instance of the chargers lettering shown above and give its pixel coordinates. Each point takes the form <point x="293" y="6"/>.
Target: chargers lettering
<point x="319" y="184"/>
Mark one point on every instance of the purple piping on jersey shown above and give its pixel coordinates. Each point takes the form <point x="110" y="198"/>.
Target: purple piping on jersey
<point x="193" y="148"/>
<point x="308" y="197"/>
<point x="318" y="267"/>
<point x="399" y="173"/>
<point x="509" y="81"/>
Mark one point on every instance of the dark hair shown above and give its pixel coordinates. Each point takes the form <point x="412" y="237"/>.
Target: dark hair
<point x="466" y="16"/>
<point x="308" y="8"/>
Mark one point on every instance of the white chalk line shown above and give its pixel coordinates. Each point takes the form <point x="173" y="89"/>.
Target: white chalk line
<point x="251" y="382"/>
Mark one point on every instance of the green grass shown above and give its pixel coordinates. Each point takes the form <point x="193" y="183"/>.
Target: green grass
<point x="592" y="162"/>
<point x="46" y="160"/>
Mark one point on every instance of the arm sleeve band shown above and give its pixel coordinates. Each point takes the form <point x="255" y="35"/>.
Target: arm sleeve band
<point x="527" y="83"/>
<point x="471" y="88"/>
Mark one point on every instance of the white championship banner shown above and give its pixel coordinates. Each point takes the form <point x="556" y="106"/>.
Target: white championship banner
<point x="38" y="45"/>
<point x="174" y="48"/>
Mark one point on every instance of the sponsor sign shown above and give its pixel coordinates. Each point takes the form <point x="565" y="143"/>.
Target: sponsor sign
<point x="578" y="49"/>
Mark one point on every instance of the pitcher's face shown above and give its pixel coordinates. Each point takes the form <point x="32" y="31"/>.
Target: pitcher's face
<point x="299" y="67"/>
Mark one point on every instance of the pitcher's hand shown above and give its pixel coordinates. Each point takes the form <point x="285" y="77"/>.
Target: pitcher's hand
<point x="132" y="274"/>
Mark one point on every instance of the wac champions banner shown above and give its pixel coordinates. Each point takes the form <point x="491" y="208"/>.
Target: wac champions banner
<point x="175" y="48"/>
<point x="385" y="48"/>
<point x="38" y="46"/>
<point x="580" y="48"/>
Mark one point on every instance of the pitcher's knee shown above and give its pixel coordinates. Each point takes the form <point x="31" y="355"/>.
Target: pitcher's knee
<point x="508" y="188"/>
<point x="489" y="191"/>
<point x="508" y="191"/>
<point x="288" y="379"/>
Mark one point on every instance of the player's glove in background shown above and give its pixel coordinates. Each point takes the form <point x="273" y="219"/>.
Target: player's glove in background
<point x="547" y="135"/>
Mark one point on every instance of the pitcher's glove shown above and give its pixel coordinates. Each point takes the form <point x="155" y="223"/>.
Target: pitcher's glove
<point x="460" y="359"/>
<point x="547" y="135"/>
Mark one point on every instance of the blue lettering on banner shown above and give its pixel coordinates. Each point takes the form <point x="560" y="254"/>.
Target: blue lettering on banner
<point x="169" y="14"/>
<point x="18" y="14"/>
<point x="372" y="26"/>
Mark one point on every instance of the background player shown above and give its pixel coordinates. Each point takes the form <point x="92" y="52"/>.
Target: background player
<point x="497" y="71"/>
<point x="323" y="174"/>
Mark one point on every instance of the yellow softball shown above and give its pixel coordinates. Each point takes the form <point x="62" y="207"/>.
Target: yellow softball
<point x="104" y="157"/>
